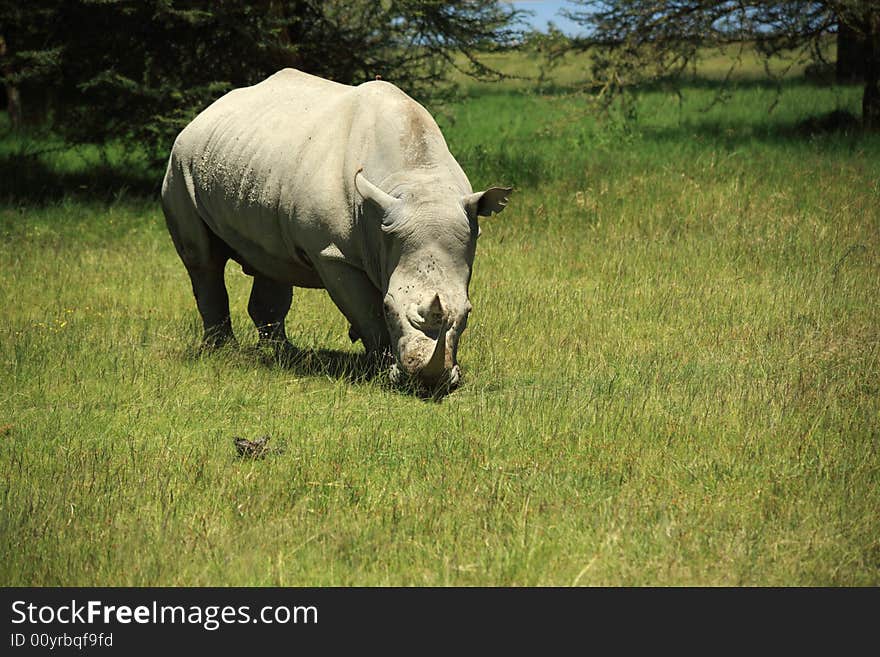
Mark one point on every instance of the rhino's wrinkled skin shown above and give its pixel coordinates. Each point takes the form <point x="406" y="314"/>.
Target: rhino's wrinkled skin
<point x="310" y="183"/>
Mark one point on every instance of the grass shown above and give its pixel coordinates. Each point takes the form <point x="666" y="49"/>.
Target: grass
<point x="672" y="374"/>
<point x="529" y="72"/>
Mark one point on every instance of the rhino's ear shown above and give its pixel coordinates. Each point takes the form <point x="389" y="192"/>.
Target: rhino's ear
<point x="372" y="193"/>
<point x="485" y="203"/>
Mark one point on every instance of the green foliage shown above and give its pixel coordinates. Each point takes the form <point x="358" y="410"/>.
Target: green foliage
<point x="137" y="71"/>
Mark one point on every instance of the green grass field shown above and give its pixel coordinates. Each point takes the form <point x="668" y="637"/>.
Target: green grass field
<point x="672" y="373"/>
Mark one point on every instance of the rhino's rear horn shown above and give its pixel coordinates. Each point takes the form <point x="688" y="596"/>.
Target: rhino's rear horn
<point x="435" y="308"/>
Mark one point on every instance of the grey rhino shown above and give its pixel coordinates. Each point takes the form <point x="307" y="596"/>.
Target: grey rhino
<point x="310" y="183"/>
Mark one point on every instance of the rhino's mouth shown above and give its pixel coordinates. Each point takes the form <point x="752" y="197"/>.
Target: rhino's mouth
<point x="427" y="363"/>
<point x="450" y="380"/>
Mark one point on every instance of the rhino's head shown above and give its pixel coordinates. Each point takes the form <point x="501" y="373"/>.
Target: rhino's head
<point x="430" y="237"/>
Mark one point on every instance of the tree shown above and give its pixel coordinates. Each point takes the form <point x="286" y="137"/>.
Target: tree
<point x="25" y="59"/>
<point x="652" y="39"/>
<point x="138" y="70"/>
<point x="851" y="55"/>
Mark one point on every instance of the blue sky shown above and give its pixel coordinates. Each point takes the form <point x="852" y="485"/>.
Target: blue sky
<point x="547" y="10"/>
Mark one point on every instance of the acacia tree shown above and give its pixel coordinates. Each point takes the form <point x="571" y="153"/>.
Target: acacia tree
<point x="643" y="40"/>
<point x="138" y="70"/>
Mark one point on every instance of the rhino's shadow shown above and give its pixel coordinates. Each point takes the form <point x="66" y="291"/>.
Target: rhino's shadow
<point x="343" y="365"/>
<point x="355" y="368"/>
<point x="329" y="363"/>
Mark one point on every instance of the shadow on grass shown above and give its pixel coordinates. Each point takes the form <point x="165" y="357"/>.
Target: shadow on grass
<point x="834" y="129"/>
<point x="354" y="368"/>
<point x="28" y="178"/>
<point x="518" y="167"/>
<point x="730" y="128"/>
<point x="324" y="363"/>
<point x="735" y="84"/>
<point x="663" y="85"/>
<point x="327" y="363"/>
<point x="549" y="86"/>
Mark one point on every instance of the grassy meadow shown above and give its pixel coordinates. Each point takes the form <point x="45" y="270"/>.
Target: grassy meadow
<point x="672" y="372"/>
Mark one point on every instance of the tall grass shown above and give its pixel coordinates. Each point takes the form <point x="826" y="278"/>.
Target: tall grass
<point x="672" y="376"/>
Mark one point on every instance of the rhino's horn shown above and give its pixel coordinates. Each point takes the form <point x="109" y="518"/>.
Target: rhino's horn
<point x="435" y="309"/>
<point x="436" y="365"/>
<point x="369" y="191"/>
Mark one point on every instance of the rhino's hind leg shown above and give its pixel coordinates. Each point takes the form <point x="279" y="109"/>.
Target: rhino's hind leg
<point x="268" y="306"/>
<point x="204" y="255"/>
<point x="212" y="300"/>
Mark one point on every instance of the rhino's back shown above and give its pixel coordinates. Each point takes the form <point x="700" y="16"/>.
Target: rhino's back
<point x="270" y="167"/>
<point x="247" y="150"/>
<point x="261" y="166"/>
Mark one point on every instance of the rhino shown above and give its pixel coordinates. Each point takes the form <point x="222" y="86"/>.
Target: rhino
<point x="305" y="182"/>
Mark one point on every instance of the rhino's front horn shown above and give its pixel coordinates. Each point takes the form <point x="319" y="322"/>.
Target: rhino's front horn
<point x="435" y="368"/>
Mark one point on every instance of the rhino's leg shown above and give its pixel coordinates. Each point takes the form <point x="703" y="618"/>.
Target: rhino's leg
<point x="212" y="300"/>
<point x="268" y="307"/>
<point x="360" y="302"/>
<point x="204" y="255"/>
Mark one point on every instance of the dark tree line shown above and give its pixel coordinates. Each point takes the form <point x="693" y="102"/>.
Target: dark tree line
<point x="138" y="70"/>
<point x="644" y="40"/>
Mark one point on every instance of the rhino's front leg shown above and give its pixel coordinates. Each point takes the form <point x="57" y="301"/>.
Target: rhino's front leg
<point x="360" y="302"/>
